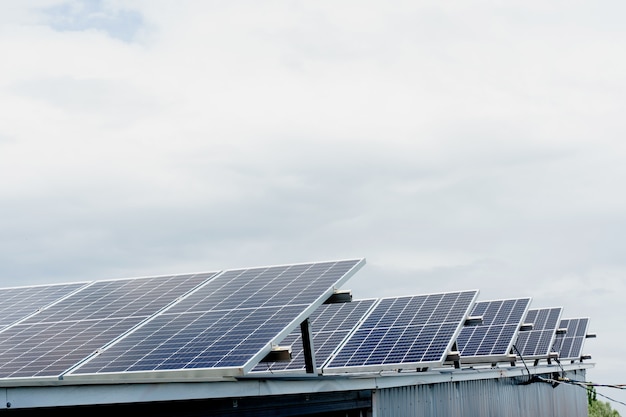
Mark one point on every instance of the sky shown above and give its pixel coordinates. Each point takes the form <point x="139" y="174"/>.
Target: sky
<point x="454" y="145"/>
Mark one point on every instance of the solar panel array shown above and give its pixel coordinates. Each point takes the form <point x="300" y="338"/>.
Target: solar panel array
<point x="219" y="324"/>
<point x="537" y="343"/>
<point x="60" y="336"/>
<point x="495" y="336"/>
<point x="331" y="324"/>
<point x="228" y="323"/>
<point x="405" y="332"/>
<point x="569" y="346"/>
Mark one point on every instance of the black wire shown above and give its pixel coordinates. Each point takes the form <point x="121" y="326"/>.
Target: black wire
<point x="524" y="362"/>
<point x="609" y="398"/>
<point x="616" y="386"/>
<point x="560" y="366"/>
<point x="586" y="385"/>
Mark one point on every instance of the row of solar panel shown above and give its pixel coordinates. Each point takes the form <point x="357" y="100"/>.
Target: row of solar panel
<point x="225" y="323"/>
<point x="399" y="332"/>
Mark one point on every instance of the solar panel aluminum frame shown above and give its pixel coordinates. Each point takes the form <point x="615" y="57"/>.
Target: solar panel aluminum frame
<point x="210" y="374"/>
<point x="493" y="359"/>
<point x="395" y="367"/>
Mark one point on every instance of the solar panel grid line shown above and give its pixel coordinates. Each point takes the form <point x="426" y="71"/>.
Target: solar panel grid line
<point x="54" y="344"/>
<point x="353" y="320"/>
<point x="404" y="333"/>
<point x="123" y="297"/>
<point x="243" y="340"/>
<point x="289" y="294"/>
<point x="179" y="338"/>
<point x="395" y="314"/>
<point x="317" y="268"/>
<point x="192" y="354"/>
<point x="21" y="303"/>
<point x="244" y="336"/>
<point x="492" y="340"/>
<point x="356" y="317"/>
<point x="248" y="285"/>
<point x="569" y="345"/>
<point x="332" y="270"/>
<point x="72" y="340"/>
<point x="389" y="305"/>
<point x="436" y="313"/>
<point x="538" y="342"/>
<point x="253" y="290"/>
<point x="111" y="343"/>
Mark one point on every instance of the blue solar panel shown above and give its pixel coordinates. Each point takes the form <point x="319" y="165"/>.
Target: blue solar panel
<point x="139" y="297"/>
<point x="57" y="338"/>
<point x="495" y="336"/>
<point x="569" y="346"/>
<point x="231" y="322"/>
<point x="537" y="343"/>
<point x="331" y="324"/>
<point x="404" y="333"/>
<point x="21" y="302"/>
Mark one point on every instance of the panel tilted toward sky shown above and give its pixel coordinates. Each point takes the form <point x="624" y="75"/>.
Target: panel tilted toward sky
<point x="405" y="332"/>
<point x="569" y="345"/>
<point x="537" y="343"/>
<point x="332" y="323"/>
<point x="227" y="322"/>
<point x="60" y="336"/>
<point x="222" y="324"/>
<point x="501" y="320"/>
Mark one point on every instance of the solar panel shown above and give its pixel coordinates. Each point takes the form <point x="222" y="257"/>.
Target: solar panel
<point x="57" y="338"/>
<point x="228" y="325"/>
<point x="569" y="346"/>
<point x="404" y="333"/>
<point x="331" y="324"/>
<point x="493" y="339"/>
<point x="536" y="343"/>
<point x="20" y="302"/>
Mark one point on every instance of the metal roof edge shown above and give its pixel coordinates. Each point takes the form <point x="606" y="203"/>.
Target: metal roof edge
<point x="70" y="393"/>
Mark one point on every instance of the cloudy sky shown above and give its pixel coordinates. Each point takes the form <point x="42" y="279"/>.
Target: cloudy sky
<point x="453" y="145"/>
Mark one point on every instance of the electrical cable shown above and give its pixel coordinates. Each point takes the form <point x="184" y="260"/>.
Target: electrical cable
<point x="609" y="398"/>
<point x="585" y="385"/>
<point x="524" y="362"/>
<point x="560" y="366"/>
<point x="618" y="386"/>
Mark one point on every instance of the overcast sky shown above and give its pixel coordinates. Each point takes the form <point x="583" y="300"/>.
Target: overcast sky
<point x="455" y="145"/>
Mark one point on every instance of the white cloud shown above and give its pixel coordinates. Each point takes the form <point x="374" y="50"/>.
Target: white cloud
<point x="453" y="145"/>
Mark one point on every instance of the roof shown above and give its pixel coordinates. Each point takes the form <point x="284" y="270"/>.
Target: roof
<point x="221" y="326"/>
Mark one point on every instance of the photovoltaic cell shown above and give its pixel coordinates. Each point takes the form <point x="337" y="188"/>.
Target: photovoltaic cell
<point x="330" y="324"/>
<point x="536" y="343"/>
<point x="57" y="338"/>
<point x="273" y="286"/>
<point x="139" y="297"/>
<point x="570" y="345"/>
<point x="495" y="336"/>
<point x="230" y="322"/>
<point x="21" y="302"/>
<point x="405" y="332"/>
